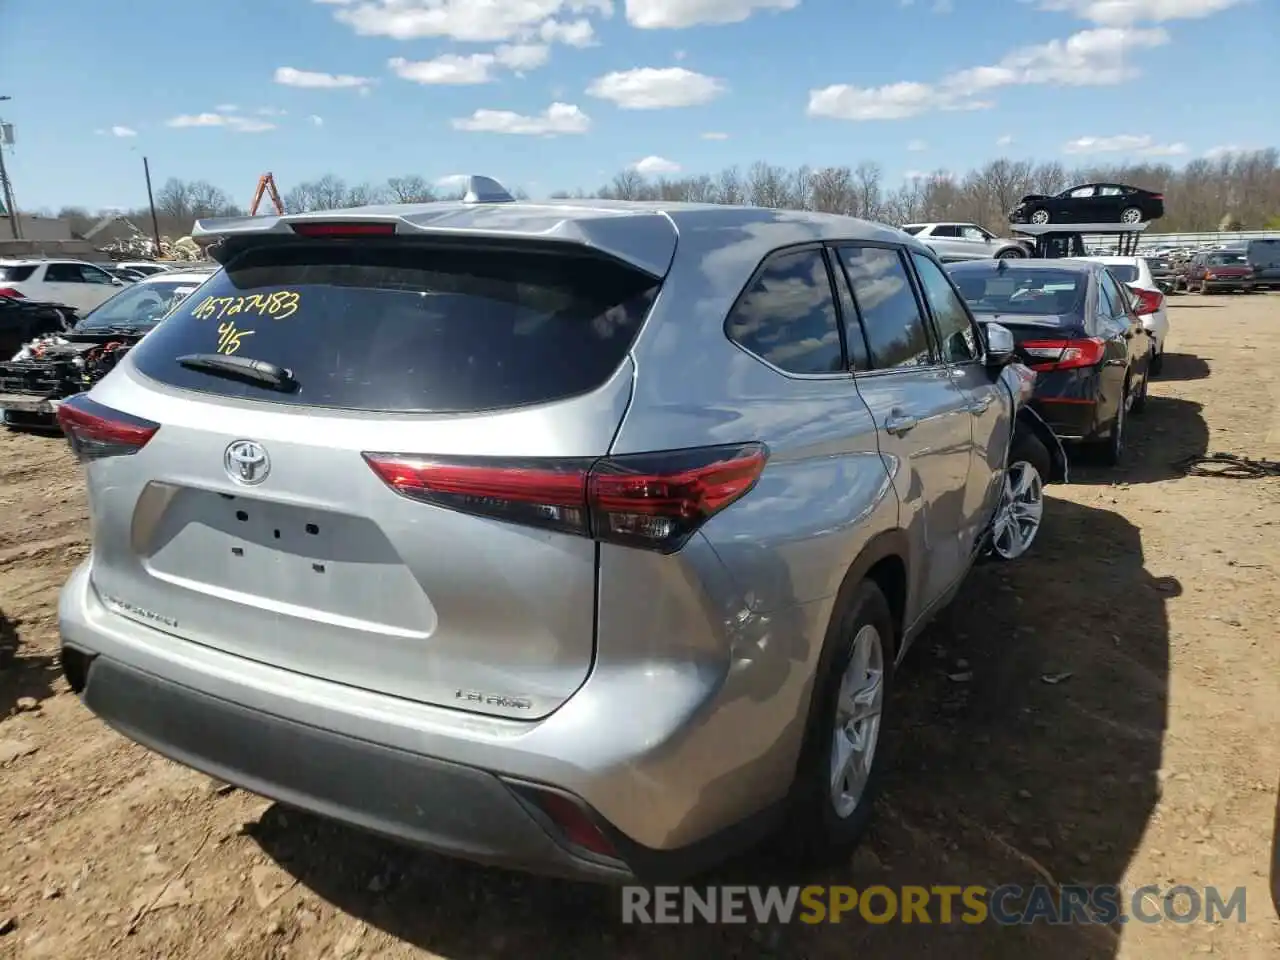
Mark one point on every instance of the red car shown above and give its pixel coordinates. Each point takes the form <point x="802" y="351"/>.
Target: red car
<point x="1226" y="269"/>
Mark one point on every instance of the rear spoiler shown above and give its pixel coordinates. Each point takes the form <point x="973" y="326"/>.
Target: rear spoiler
<point x="643" y="239"/>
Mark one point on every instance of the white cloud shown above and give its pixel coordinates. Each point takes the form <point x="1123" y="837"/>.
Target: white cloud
<point x="471" y="21"/>
<point x="572" y="33"/>
<point x="522" y="56"/>
<point x="1004" y="140"/>
<point x="1143" y="146"/>
<point x="715" y="135"/>
<point x="1122" y="13"/>
<point x="559" y="118"/>
<point x="677" y="14"/>
<point x="453" y="181"/>
<point x="119" y="131"/>
<point x="316" y="121"/>
<point x="290" y="77"/>
<point x="654" y="88"/>
<point x="227" y="121"/>
<point x="447" y="69"/>
<point x="1100" y="57"/>
<point x="915" y="146"/>
<point x="1225" y="150"/>
<point x="655" y="166"/>
<point x="226" y="108"/>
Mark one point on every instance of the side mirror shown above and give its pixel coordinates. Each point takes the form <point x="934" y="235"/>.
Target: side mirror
<point x="117" y="282"/>
<point x="1000" y="346"/>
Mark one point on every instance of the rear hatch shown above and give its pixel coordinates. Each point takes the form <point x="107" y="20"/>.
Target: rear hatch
<point x="269" y="512"/>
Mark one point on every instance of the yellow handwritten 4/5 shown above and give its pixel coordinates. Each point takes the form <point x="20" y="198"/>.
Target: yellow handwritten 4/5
<point x="229" y="337"/>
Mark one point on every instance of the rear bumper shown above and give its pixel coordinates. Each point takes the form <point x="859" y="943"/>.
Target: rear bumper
<point x="668" y="763"/>
<point x="1229" y="283"/>
<point x="1069" y="419"/>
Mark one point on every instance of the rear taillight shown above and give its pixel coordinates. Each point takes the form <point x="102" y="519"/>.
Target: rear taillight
<point x="339" y="229"/>
<point x="95" y="431"/>
<point x="571" y="820"/>
<point x="11" y="293"/>
<point x="655" y="501"/>
<point x="1157" y="196"/>
<point x="1148" y="301"/>
<point x="1064" y="354"/>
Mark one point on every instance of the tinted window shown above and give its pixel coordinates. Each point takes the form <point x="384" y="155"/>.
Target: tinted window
<point x="854" y="341"/>
<point x="1264" y="253"/>
<point x="1046" y="292"/>
<point x="1115" y="296"/>
<point x="92" y="274"/>
<point x="913" y="230"/>
<point x="788" y="317"/>
<point x="141" y="305"/>
<point x="63" y="273"/>
<point x="945" y="230"/>
<point x="1228" y="259"/>
<point x="17" y="274"/>
<point x="1080" y="192"/>
<point x="955" y="331"/>
<point x="1125" y="273"/>
<point x="891" y="319"/>
<point x="400" y="327"/>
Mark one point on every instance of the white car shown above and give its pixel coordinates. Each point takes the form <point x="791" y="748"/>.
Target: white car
<point x="964" y="241"/>
<point x="147" y="267"/>
<point x="72" y="283"/>
<point x="1135" y="273"/>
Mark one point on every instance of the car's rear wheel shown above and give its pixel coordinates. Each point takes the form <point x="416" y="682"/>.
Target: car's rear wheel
<point x="1021" y="509"/>
<point x="1131" y="215"/>
<point x="843" y="758"/>
<point x="1111" y="450"/>
<point x="1039" y="216"/>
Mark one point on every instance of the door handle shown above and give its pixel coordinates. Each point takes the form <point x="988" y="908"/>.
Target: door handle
<point x="900" y="424"/>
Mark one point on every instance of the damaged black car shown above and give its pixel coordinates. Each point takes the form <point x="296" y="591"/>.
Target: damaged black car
<point x="61" y="363"/>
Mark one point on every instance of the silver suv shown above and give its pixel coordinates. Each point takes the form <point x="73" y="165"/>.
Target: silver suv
<point x="579" y="537"/>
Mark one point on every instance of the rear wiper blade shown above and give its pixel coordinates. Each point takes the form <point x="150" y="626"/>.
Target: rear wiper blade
<point x="241" y="368"/>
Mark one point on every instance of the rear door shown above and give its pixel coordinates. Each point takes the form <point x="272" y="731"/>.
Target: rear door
<point x="65" y="284"/>
<point x="1114" y="326"/>
<point x="921" y="411"/>
<point x="288" y="526"/>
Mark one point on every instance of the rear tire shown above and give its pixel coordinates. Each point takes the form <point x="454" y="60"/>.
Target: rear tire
<point x="1131" y="215"/>
<point x="820" y="827"/>
<point x="1110" y="452"/>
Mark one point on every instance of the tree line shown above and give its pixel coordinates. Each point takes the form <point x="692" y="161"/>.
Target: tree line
<point x="1236" y="191"/>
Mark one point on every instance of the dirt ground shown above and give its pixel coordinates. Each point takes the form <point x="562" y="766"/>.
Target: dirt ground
<point x="1154" y="762"/>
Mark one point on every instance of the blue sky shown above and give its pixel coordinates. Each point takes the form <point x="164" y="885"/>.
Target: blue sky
<point x="550" y="94"/>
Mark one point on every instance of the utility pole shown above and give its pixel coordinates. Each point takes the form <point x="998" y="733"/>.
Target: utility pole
<point x="155" y="223"/>
<point x="11" y="207"/>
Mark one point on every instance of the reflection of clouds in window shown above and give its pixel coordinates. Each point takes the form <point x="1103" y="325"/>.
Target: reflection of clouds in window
<point x="890" y="316"/>
<point x="788" y="317"/>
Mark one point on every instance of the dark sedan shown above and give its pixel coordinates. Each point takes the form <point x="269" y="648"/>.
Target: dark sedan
<point x="1091" y="203"/>
<point x="1076" y="326"/>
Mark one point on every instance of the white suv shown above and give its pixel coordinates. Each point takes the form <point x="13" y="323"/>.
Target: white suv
<point x="71" y="283"/>
<point x="964" y="241"/>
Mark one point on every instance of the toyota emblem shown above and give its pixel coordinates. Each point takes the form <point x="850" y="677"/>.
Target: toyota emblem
<point x="247" y="462"/>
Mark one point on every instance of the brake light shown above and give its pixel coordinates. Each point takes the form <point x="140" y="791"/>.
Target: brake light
<point x="1157" y="196"/>
<point x="340" y="229"/>
<point x="571" y="820"/>
<point x="12" y="293"/>
<point x="1064" y="354"/>
<point x="1149" y="301"/>
<point x="95" y="431"/>
<point x="654" y="501"/>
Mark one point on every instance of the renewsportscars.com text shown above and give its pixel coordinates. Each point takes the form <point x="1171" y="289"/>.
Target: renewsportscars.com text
<point x="1007" y="905"/>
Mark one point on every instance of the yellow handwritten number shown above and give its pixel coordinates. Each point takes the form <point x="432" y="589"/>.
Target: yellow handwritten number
<point x="278" y="306"/>
<point x="229" y="337"/>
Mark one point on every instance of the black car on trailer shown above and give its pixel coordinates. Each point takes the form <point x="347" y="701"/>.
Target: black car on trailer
<point x="1091" y="203"/>
<point x="1074" y="324"/>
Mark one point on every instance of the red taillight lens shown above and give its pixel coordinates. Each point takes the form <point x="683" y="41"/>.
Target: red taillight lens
<point x="340" y="229"/>
<point x="95" y="431"/>
<point x="655" y="501"/>
<point x="11" y="293"/>
<point x="1157" y="196"/>
<point x="1064" y="354"/>
<point x="571" y="821"/>
<point x="1148" y="301"/>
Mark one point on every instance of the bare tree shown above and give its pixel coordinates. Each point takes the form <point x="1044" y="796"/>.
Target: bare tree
<point x="410" y="189"/>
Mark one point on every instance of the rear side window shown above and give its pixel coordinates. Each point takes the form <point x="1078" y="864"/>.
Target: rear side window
<point x="63" y="273"/>
<point x="896" y="333"/>
<point x="1124" y="272"/>
<point x="787" y="317"/>
<point x="913" y="229"/>
<point x="399" y="327"/>
<point x="17" y="274"/>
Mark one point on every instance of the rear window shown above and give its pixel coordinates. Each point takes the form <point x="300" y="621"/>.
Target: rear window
<point x="913" y="230"/>
<point x="408" y="328"/>
<point x="16" y="274"/>
<point x="1124" y="272"/>
<point x="1045" y="293"/>
<point x="1227" y="259"/>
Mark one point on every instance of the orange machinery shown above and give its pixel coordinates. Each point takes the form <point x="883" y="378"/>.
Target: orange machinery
<point x="266" y="185"/>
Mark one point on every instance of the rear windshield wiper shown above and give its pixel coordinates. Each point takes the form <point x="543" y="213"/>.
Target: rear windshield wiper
<point x="241" y="368"/>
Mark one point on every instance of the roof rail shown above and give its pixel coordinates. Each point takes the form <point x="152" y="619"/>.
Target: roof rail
<point x="486" y="190"/>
